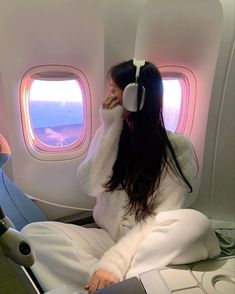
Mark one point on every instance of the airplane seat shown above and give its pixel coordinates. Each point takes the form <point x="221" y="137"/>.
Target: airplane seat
<point x="15" y="204"/>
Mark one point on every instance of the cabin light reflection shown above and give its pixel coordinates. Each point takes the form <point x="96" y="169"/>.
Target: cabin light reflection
<point x="56" y="112"/>
<point x="172" y="99"/>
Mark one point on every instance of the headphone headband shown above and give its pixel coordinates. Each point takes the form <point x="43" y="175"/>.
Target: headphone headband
<point x="138" y="64"/>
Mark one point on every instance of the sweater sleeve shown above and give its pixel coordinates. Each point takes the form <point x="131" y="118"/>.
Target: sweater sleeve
<point x="117" y="259"/>
<point x="96" y="168"/>
<point x="170" y="195"/>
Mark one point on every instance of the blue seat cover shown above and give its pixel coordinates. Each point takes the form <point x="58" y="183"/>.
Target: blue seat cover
<point x="16" y="205"/>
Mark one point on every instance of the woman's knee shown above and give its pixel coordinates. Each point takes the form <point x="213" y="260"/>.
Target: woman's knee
<point x="185" y="220"/>
<point x="190" y="228"/>
<point x="198" y="235"/>
<point x="195" y="222"/>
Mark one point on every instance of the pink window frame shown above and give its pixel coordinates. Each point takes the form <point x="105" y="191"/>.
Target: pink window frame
<point x="34" y="145"/>
<point x="188" y="101"/>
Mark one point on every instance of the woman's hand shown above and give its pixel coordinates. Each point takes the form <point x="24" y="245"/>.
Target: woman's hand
<point x="100" y="279"/>
<point x="110" y="102"/>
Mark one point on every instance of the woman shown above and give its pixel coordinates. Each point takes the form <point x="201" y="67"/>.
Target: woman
<point x="140" y="175"/>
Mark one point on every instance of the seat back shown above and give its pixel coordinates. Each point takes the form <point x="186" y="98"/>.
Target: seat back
<point x="15" y="204"/>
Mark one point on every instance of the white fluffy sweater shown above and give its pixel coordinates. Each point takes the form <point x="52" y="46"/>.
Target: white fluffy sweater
<point x="109" y="212"/>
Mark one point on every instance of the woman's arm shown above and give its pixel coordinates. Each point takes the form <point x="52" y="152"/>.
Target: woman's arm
<point x="116" y="262"/>
<point x="97" y="166"/>
<point x="117" y="259"/>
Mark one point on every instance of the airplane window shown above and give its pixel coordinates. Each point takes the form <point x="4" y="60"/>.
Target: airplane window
<point x="172" y="101"/>
<point x="53" y="109"/>
<point x="56" y="112"/>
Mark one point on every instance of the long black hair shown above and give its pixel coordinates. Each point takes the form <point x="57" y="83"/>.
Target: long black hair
<point x="144" y="145"/>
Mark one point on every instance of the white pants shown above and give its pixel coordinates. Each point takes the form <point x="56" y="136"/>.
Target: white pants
<point x="66" y="254"/>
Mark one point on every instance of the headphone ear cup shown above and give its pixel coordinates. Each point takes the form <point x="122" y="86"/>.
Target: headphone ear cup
<point x="129" y="97"/>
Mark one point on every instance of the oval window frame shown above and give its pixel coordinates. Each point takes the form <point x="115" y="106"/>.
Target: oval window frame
<point x="36" y="148"/>
<point x="189" y="93"/>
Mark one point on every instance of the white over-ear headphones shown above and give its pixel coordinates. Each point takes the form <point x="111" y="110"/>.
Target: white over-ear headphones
<point x="130" y="93"/>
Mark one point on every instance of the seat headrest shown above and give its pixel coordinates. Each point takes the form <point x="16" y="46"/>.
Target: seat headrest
<point x="5" y="151"/>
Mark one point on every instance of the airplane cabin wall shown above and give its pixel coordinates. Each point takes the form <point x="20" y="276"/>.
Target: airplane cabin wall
<point x="121" y="19"/>
<point x="54" y="33"/>
<point x="36" y="33"/>
<point x="221" y="202"/>
<point x="217" y="190"/>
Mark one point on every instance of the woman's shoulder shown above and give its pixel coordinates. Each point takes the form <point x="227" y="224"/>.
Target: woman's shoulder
<point x="178" y="139"/>
<point x="179" y="142"/>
